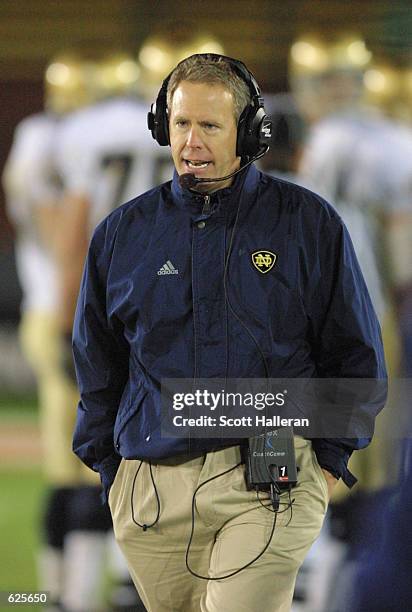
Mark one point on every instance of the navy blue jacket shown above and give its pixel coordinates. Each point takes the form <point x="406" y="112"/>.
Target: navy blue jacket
<point x="311" y="315"/>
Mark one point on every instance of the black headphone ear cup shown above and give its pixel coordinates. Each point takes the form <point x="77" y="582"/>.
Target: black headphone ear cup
<point x="262" y="128"/>
<point x="158" y="121"/>
<point x="249" y="140"/>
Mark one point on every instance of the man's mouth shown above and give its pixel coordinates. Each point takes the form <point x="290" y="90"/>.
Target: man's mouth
<point x="191" y="163"/>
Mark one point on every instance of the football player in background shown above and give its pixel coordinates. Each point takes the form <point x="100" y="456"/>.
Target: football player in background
<point x="106" y="155"/>
<point x="74" y="521"/>
<point x="359" y="159"/>
<point x="362" y="163"/>
<point x="383" y="582"/>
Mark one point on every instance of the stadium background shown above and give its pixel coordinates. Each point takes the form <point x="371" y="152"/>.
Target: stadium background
<point x="31" y="32"/>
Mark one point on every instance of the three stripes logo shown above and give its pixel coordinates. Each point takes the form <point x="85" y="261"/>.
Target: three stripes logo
<point x="167" y="268"/>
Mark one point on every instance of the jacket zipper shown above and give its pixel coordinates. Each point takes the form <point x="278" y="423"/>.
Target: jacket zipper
<point x="206" y="205"/>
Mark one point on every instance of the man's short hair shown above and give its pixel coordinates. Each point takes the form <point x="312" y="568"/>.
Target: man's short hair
<point x="198" y="69"/>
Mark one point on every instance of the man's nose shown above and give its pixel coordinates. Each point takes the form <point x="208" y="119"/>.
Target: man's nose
<point x="193" y="138"/>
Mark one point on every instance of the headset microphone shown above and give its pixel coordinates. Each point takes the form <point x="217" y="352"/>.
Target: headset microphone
<point x="189" y="180"/>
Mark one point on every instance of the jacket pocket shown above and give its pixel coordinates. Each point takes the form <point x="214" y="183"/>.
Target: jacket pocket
<point x="114" y="483"/>
<point x="321" y="476"/>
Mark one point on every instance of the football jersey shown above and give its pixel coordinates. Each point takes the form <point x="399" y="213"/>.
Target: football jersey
<point x="30" y="181"/>
<point x="363" y="165"/>
<point x="107" y="154"/>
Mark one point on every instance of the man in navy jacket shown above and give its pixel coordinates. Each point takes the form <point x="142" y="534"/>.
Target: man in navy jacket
<point x="171" y="289"/>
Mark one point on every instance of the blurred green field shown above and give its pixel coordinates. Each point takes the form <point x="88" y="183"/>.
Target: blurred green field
<point x="14" y="406"/>
<point x="22" y="493"/>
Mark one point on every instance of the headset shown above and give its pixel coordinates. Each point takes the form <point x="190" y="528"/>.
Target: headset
<point x="254" y="128"/>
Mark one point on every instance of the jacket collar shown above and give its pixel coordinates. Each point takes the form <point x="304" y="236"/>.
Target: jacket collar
<point x="245" y="182"/>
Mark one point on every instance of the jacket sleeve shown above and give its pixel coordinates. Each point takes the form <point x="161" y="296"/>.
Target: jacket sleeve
<point x="346" y="340"/>
<point x="101" y="356"/>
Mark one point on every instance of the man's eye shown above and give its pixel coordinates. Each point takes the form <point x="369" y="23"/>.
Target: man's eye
<point x="181" y="123"/>
<point x="210" y="126"/>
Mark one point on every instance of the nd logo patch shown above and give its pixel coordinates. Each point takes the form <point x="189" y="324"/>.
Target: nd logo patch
<point x="264" y="260"/>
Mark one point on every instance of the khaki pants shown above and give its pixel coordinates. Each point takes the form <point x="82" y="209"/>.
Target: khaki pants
<point x="231" y="529"/>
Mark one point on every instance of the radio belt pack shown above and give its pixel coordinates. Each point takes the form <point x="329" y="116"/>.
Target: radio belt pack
<point x="271" y="460"/>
